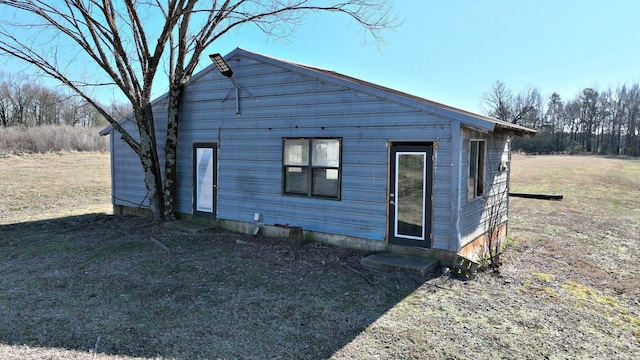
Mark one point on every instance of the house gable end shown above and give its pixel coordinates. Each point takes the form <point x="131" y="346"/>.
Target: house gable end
<point x="432" y="108"/>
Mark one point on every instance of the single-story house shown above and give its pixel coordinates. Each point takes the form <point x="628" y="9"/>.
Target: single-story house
<point x="280" y="145"/>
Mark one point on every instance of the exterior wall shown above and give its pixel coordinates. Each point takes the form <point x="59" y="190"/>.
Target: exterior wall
<point x="275" y="102"/>
<point x="127" y="177"/>
<point x="479" y="215"/>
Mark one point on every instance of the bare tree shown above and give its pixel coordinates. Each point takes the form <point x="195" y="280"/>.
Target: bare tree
<point x="588" y="117"/>
<point x="631" y="111"/>
<point x="4" y="112"/>
<point x="555" y="120"/>
<point x="499" y="101"/>
<point x="130" y="41"/>
<point x="503" y="105"/>
<point x="527" y="109"/>
<point x="20" y="94"/>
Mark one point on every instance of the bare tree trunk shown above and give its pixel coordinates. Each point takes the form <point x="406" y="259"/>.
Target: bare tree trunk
<point x="150" y="162"/>
<point x="3" y="114"/>
<point x="171" y="146"/>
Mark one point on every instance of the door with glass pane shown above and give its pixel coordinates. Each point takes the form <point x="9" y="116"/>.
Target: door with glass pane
<point x="410" y="188"/>
<point x="204" y="180"/>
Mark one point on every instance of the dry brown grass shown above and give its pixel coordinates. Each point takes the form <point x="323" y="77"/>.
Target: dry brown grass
<point x="595" y="229"/>
<point x="53" y="185"/>
<point x="70" y="285"/>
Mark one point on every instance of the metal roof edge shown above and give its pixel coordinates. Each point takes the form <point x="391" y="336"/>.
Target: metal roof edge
<point x="467" y="117"/>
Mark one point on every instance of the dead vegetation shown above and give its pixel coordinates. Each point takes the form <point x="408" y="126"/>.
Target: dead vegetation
<point x="99" y="286"/>
<point x="51" y="138"/>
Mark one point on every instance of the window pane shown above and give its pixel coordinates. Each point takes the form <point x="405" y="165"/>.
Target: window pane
<point x="296" y="152"/>
<point x="480" y="169"/>
<point x="204" y="179"/>
<point x="473" y="158"/>
<point x="295" y="180"/>
<point x="410" y="194"/>
<point x="332" y="174"/>
<point x="325" y="182"/>
<point x="326" y="152"/>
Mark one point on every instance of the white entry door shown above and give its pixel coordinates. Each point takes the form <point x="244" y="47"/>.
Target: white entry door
<point x="204" y="180"/>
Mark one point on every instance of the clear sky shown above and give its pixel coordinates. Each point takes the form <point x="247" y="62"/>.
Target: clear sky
<point x="453" y="51"/>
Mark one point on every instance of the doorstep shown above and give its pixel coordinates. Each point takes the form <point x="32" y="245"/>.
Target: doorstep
<point x="391" y="261"/>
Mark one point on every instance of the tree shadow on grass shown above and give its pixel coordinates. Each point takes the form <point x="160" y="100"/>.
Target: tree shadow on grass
<point x="109" y="282"/>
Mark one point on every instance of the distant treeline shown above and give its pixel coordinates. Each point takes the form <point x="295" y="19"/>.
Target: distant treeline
<point x="595" y="121"/>
<point x="26" y="103"/>
<point x="38" y="119"/>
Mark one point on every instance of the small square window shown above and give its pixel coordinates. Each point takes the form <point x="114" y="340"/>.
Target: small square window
<point x="311" y="167"/>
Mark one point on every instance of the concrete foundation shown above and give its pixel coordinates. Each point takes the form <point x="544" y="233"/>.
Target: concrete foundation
<point x="444" y="257"/>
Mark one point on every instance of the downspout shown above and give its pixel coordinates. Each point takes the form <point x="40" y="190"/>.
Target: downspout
<point x="111" y="161"/>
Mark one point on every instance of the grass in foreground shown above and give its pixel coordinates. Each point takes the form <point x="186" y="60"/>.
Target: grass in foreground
<point x="76" y="282"/>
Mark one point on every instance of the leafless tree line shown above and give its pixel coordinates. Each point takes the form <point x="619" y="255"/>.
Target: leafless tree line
<point x="595" y="121"/>
<point x="26" y="103"/>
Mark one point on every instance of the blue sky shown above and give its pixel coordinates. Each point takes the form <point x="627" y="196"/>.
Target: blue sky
<point x="453" y="51"/>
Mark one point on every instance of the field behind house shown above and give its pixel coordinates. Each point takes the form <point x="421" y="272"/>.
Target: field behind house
<point x="53" y="185"/>
<point x="77" y="283"/>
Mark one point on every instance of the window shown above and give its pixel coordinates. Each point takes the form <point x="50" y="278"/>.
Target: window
<point x="311" y="167"/>
<point x="475" y="182"/>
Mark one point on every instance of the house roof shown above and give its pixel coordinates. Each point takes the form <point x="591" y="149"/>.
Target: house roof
<point x="468" y="118"/>
<point x="496" y="122"/>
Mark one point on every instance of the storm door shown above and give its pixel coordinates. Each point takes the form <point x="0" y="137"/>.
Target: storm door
<point x="204" y="180"/>
<point x="410" y="184"/>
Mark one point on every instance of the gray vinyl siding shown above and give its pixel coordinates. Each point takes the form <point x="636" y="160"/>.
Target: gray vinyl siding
<point x="475" y="213"/>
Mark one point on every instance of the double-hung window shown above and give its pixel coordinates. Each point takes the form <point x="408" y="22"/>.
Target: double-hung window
<point x="311" y="167"/>
<point x="475" y="183"/>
